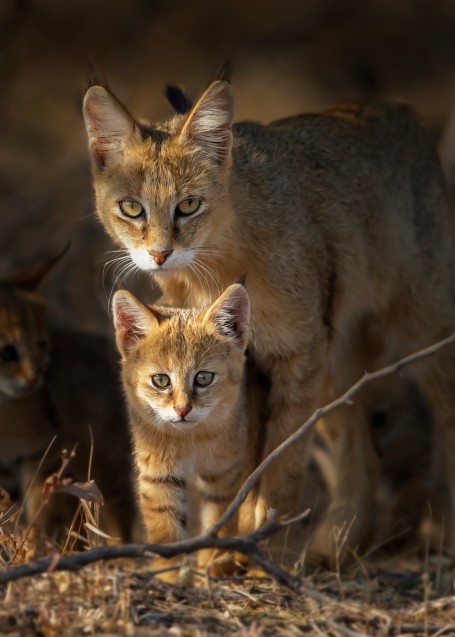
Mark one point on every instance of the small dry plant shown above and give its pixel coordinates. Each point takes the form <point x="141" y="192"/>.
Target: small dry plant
<point x="22" y="541"/>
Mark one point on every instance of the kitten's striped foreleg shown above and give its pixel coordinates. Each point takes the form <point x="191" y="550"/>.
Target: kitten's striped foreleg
<point x="217" y="486"/>
<point x="161" y="492"/>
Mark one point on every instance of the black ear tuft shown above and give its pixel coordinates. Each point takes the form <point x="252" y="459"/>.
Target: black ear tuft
<point x="225" y="72"/>
<point x="178" y="99"/>
<point x="96" y="78"/>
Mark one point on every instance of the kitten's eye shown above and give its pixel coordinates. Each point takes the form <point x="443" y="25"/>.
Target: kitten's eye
<point x="131" y="208"/>
<point x="8" y="354"/>
<point x="203" y="379"/>
<point x="188" y="206"/>
<point x="161" y="381"/>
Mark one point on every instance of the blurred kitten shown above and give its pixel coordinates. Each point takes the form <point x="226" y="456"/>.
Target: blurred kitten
<point x="56" y="382"/>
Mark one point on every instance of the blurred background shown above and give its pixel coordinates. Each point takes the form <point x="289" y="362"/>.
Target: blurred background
<point x="288" y="56"/>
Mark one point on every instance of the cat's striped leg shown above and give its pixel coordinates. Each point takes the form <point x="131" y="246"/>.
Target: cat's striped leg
<point x="220" y="475"/>
<point x="161" y="492"/>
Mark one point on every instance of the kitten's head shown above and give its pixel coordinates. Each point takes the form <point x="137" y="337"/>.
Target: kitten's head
<point x="160" y="188"/>
<point x="183" y="369"/>
<point x="24" y="337"/>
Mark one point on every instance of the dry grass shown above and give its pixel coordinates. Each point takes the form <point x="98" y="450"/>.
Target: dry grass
<point x="124" y="599"/>
<point x="401" y="596"/>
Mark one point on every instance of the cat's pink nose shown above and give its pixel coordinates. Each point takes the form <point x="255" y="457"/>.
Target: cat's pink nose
<point x="160" y="257"/>
<point x="182" y="410"/>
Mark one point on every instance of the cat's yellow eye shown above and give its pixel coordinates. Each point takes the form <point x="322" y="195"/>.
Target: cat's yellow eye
<point x="188" y="206"/>
<point x="203" y="379"/>
<point x="131" y="208"/>
<point x="161" y="381"/>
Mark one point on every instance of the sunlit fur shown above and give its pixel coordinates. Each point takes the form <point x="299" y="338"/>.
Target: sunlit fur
<point x="334" y="217"/>
<point x="206" y="449"/>
<point x="56" y="383"/>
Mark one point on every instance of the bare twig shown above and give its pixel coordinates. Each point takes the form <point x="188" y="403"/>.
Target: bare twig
<point x="344" y="399"/>
<point x="246" y="545"/>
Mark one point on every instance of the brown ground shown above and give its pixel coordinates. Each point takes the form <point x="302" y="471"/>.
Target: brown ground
<point x="393" y="598"/>
<point x="288" y="57"/>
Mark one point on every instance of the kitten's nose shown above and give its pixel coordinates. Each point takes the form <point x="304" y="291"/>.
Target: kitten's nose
<point x="182" y="410"/>
<point x="160" y="257"/>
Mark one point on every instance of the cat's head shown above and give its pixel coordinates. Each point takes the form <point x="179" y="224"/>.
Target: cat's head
<point x="183" y="368"/>
<point x="24" y="338"/>
<point x="161" y="190"/>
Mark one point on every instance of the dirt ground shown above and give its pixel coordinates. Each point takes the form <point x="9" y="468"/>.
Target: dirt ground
<point x="288" y="57"/>
<point x="401" y="597"/>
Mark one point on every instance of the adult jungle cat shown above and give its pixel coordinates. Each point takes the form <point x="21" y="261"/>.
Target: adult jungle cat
<point x="334" y="216"/>
<point x="58" y="382"/>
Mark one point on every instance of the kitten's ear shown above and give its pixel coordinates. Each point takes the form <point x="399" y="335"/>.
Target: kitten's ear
<point x="230" y="314"/>
<point x="110" y="128"/>
<point x="209" y="125"/>
<point x="132" y="320"/>
<point x="31" y="279"/>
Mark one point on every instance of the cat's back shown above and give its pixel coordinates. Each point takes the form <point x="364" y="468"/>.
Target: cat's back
<point x="360" y="167"/>
<point x="356" y="131"/>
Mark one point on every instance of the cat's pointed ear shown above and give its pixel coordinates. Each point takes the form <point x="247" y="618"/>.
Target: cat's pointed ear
<point x="209" y="124"/>
<point x="110" y="128"/>
<point x="132" y="320"/>
<point x="230" y="314"/>
<point x="32" y="278"/>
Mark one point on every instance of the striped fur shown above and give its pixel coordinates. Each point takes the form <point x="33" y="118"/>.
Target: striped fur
<point x="188" y="466"/>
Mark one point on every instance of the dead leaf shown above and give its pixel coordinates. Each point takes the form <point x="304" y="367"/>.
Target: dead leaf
<point x="84" y="490"/>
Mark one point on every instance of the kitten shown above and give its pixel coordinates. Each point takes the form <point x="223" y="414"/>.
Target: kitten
<point x="59" y="382"/>
<point x="184" y="379"/>
<point x="335" y="216"/>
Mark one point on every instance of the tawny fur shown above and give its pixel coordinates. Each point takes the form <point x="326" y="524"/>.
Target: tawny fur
<point x="203" y="449"/>
<point x="335" y="217"/>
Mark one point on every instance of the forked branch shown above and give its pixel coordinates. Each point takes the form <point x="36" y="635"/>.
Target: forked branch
<point x="247" y="545"/>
